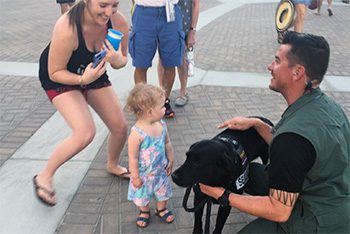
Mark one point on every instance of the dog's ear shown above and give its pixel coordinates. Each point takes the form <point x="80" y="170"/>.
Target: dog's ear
<point x="195" y="144"/>
<point x="225" y="162"/>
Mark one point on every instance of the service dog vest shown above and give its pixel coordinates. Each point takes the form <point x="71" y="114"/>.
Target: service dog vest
<point x="237" y="148"/>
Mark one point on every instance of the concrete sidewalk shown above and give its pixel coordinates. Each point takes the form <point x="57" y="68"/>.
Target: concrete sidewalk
<point x="236" y="41"/>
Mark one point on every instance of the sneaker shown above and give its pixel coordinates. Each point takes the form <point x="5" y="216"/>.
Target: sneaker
<point x="330" y="12"/>
<point x="169" y="113"/>
<point x="181" y="100"/>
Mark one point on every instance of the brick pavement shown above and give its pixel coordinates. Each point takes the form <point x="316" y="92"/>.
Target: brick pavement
<point x="229" y="43"/>
<point x="244" y="39"/>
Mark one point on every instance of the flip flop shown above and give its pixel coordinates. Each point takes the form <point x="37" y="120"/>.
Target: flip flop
<point x="125" y="175"/>
<point x="143" y="219"/>
<point x="49" y="193"/>
<point x="165" y="216"/>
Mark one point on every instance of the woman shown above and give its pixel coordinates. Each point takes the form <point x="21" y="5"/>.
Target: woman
<point x="71" y="83"/>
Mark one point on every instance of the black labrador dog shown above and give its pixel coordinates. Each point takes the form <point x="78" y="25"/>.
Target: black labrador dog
<point x="223" y="162"/>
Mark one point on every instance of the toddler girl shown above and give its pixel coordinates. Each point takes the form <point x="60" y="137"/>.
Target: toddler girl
<point x="150" y="154"/>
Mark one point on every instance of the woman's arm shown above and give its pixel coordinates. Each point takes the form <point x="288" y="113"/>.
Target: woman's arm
<point x="119" y="58"/>
<point x="191" y="37"/>
<point x="63" y="42"/>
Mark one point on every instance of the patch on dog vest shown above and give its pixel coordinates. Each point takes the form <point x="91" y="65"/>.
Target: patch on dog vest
<point x="242" y="179"/>
<point x="238" y="148"/>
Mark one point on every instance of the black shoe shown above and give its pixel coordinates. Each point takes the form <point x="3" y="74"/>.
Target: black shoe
<point x="330" y="12"/>
<point x="169" y="113"/>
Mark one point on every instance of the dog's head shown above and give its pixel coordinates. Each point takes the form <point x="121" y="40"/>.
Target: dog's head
<point x="209" y="162"/>
<point x="214" y="162"/>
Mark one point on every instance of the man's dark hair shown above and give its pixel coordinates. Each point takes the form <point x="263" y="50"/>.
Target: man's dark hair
<point x="309" y="50"/>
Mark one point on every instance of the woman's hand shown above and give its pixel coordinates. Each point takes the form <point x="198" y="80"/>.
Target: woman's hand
<point x="191" y="39"/>
<point x="214" y="192"/>
<point x="114" y="57"/>
<point x="91" y="74"/>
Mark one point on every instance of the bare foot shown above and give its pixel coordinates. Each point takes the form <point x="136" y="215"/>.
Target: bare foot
<point x="119" y="171"/>
<point x="317" y="13"/>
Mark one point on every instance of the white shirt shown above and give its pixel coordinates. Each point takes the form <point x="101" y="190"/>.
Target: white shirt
<point x="153" y="3"/>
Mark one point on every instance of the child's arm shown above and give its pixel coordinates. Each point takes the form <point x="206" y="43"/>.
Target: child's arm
<point x="170" y="154"/>
<point x="134" y="141"/>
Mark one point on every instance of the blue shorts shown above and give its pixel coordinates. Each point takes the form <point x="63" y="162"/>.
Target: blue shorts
<point x="306" y="2"/>
<point x="149" y="31"/>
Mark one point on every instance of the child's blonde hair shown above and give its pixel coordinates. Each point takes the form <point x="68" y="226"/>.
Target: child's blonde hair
<point x="143" y="97"/>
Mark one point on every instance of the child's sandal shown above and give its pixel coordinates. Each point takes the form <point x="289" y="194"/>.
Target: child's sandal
<point x="145" y="220"/>
<point x="165" y="216"/>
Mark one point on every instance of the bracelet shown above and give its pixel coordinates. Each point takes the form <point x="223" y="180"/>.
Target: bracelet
<point x="224" y="199"/>
<point x="192" y="28"/>
<point x="81" y="81"/>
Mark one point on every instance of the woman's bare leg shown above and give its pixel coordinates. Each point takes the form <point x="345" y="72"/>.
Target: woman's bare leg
<point x="74" y="109"/>
<point x="106" y="103"/>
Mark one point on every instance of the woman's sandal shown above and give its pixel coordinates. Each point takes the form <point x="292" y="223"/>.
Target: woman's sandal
<point x="48" y="193"/>
<point x="165" y="216"/>
<point x="145" y="220"/>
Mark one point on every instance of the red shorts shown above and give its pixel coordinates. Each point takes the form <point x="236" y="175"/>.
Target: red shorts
<point x="52" y="93"/>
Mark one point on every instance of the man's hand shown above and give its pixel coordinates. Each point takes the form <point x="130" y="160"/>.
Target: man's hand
<point x="214" y="192"/>
<point x="238" y="123"/>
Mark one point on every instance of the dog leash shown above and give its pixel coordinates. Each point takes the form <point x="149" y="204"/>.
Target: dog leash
<point x="207" y="200"/>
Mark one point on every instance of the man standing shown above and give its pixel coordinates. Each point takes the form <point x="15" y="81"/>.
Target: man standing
<point x="307" y="180"/>
<point x="157" y="23"/>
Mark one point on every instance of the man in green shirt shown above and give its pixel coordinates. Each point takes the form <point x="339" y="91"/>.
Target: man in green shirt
<point x="307" y="180"/>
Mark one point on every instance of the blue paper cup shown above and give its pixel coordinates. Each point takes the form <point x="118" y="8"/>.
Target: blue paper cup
<point x="114" y="37"/>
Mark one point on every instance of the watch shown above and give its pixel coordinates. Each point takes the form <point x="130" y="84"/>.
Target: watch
<point x="192" y="28"/>
<point x="223" y="200"/>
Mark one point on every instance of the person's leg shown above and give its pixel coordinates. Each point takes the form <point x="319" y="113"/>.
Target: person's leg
<point x="74" y="109"/>
<point x="300" y="17"/>
<point x="330" y="11"/>
<point x="106" y="104"/>
<point x="182" y="71"/>
<point x="163" y="213"/>
<point x="144" y="216"/>
<point x="140" y="75"/>
<point x="319" y="5"/>
<point x="168" y="81"/>
<point x="170" y="47"/>
<point x="160" y="71"/>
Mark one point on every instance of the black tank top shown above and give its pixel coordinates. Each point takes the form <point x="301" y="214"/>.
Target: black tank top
<point x="80" y="58"/>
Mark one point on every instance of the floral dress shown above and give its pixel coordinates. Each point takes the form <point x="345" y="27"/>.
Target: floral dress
<point x="152" y="170"/>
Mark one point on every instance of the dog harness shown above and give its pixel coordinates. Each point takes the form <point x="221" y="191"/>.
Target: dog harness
<point x="237" y="148"/>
